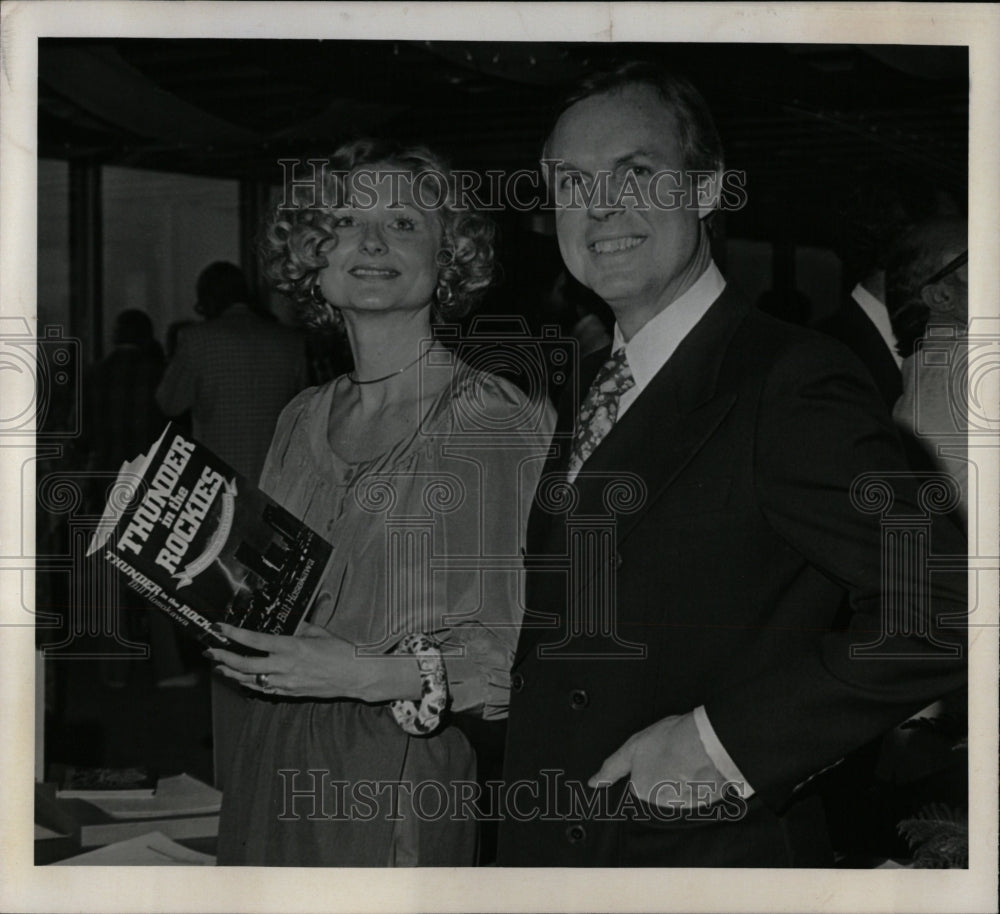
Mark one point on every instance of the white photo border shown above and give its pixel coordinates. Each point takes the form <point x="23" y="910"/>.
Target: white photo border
<point x="24" y="887"/>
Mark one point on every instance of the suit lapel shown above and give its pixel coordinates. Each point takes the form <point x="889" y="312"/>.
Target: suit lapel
<point x="643" y="453"/>
<point x="546" y="537"/>
<point x="669" y="421"/>
<point x="545" y="525"/>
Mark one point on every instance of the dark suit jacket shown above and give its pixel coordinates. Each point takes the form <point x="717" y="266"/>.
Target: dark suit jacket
<point x="854" y="329"/>
<point x="700" y="559"/>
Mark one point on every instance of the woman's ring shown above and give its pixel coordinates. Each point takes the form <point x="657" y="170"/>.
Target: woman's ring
<point x="261" y="679"/>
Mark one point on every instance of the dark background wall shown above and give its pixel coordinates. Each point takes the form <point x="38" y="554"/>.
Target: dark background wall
<point x="159" y="155"/>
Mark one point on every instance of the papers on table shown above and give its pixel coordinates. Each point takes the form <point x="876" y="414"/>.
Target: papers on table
<point x="182" y="795"/>
<point x="152" y="849"/>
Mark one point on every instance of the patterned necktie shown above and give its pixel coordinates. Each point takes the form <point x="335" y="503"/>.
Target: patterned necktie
<point x="599" y="409"/>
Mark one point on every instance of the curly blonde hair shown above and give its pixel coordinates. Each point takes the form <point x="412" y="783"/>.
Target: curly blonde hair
<point x="292" y="249"/>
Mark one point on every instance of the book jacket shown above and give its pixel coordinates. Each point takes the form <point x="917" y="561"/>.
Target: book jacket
<point x="196" y="540"/>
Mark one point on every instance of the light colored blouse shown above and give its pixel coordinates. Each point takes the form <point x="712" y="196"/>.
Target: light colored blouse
<point x="426" y="536"/>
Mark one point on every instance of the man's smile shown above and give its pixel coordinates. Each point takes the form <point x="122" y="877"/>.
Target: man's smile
<point x="616" y="245"/>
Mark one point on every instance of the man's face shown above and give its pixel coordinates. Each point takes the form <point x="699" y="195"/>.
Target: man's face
<point x="637" y="257"/>
<point x="948" y="299"/>
<point x="959" y="283"/>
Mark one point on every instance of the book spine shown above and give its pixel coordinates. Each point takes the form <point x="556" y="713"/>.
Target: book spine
<point x="70" y="794"/>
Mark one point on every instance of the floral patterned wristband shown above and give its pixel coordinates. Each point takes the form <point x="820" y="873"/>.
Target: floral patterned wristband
<point x="425" y="718"/>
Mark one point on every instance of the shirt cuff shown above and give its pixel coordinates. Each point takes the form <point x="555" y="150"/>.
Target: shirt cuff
<point x="717" y="753"/>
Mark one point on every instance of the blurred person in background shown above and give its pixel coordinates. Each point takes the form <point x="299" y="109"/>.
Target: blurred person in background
<point x="233" y="373"/>
<point x="121" y="416"/>
<point x="872" y="215"/>
<point x="928" y="299"/>
<point x="120" y="421"/>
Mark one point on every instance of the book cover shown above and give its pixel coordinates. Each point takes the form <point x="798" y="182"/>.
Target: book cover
<point x="198" y="541"/>
<point x="106" y="783"/>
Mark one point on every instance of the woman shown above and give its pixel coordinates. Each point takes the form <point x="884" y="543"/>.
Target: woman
<point x="348" y="757"/>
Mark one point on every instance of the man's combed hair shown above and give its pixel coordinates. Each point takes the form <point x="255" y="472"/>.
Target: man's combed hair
<point x="293" y="247"/>
<point x="699" y="137"/>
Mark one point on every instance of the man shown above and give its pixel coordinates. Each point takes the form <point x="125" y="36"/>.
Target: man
<point x="862" y="323"/>
<point x="678" y="679"/>
<point x="874" y="216"/>
<point x="928" y="299"/>
<point x="235" y="372"/>
<point x="121" y="419"/>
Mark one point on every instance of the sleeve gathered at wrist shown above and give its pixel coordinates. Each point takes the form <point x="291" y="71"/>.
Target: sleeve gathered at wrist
<point x="478" y="665"/>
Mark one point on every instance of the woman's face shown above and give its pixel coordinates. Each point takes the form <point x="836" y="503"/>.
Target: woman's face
<point x="385" y="254"/>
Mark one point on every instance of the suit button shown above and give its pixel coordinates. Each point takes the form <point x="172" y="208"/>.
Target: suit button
<point x="578" y="699"/>
<point x="576" y="834"/>
<point x="517" y="682"/>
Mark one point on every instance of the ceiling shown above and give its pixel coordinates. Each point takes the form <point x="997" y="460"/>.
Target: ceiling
<point x="810" y="124"/>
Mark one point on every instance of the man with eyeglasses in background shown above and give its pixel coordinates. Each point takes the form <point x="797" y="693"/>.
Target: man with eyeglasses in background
<point x="927" y="294"/>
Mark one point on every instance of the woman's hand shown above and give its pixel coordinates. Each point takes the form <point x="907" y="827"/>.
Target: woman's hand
<point x="312" y="663"/>
<point x="315" y="664"/>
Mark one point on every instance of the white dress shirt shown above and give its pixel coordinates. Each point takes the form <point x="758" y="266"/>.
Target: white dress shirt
<point x="878" y="314"/>
<point x="647" y="352"/>
<point x="650" y="347"/>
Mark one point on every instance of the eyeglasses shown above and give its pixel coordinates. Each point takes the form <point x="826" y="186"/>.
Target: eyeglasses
<point x="950" y="267"/>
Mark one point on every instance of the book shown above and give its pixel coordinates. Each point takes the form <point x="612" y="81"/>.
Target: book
<point x="96" y="831"/>
<point x="198" y="541"/>
<point x="181" y="795"/>
<point x="151" y="849"/>
<point x="103" y="783"/>
<point x="91" y="826"/>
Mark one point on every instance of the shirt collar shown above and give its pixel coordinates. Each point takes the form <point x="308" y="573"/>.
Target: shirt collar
<point x="878" y="314"/>
<point x="648" y="350"/>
